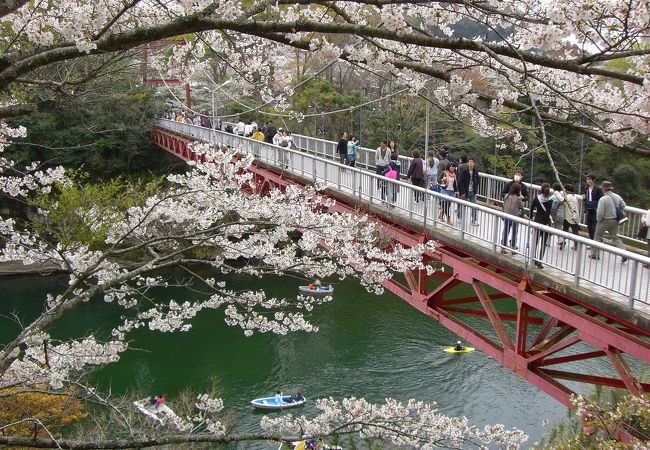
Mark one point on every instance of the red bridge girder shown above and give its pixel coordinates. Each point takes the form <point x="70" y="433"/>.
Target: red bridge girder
<point x="537" y="354"/>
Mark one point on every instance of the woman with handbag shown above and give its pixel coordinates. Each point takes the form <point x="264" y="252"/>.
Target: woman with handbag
<point x="570" y="213"/>
<point x="513" y="202"/>
<point x="449" y="186"/>
<point x="432" y="173"/>
<point x="558" y="211"/>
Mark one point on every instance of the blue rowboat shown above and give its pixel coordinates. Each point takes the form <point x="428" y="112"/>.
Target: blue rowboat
<point x="322" y="290"/>
<point x="272" y="402"/>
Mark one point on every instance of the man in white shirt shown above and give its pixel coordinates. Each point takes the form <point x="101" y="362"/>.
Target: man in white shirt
<point x="240" y="128"/>
<point x="248" y="128"/>
<point x="382" y="157"/>
<point x="278" y="136"/>
<point x="606" y="216"/>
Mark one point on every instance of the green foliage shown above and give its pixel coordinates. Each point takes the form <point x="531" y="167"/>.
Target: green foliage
<point x="83" y="212"/>
<point x="608" y="415"/>
<point x="402" y="118"/>
<point x="106" y="133"/>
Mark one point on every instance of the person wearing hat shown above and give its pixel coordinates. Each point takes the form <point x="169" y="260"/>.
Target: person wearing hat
<point x="606" y="218"/>
<point x="278" y="136"/>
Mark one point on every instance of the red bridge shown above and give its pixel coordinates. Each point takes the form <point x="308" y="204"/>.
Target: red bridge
<point x="575" y="309"/>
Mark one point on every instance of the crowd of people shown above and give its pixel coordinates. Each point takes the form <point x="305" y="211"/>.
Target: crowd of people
<point x="557" y="206"/>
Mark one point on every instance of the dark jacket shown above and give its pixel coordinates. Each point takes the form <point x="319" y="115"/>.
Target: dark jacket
<point x="271" y="131"/>
<point x="595" y="196"/>
<point x="342" y="147"/>
<point x="542" y="210"/>
<point x="416" y="169"/>
<point x="524" y="189"/>
<point x="465" y="177"/>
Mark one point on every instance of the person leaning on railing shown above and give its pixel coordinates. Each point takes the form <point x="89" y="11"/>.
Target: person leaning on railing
<point x="513" y="203"/>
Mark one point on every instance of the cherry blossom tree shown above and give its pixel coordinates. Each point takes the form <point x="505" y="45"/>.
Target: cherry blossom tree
<point x="206" y="218"/>
<point x="582" y="65"/>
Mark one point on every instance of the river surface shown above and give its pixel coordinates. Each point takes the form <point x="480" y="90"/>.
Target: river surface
<point x="367" y="346"/>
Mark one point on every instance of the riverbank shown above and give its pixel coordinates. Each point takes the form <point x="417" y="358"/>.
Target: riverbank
<point x="17" y="268"/>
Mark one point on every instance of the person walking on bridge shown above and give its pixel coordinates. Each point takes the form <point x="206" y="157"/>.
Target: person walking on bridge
<point x="512" y="204"/>
<point x="416" y="174"/>
<point x="342" y="147"/>
<point x="270" y="132"/>
<point x="606" y="216"/>
<point x="591" y="195"/>
<point x="518" y="177"/>
<point x="468" y="183"/>
<point x="258" y="135"/>
<point x="541" y="208"/>
<point x="382" y="160"/>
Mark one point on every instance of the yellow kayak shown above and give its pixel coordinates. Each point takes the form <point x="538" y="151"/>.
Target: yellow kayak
<point x="464" y="350"/>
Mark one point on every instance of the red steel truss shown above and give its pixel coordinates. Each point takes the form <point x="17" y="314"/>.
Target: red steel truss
<point x="532" y="326"/>
<point x="147" y="78"/>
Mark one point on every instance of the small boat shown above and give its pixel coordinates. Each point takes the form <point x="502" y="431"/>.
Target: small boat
<point x="272" y="402"/>
<point x="302" y="445"/>
<point x="316" y="290"/>
<point x="464" y="350"/>
<point x="161" y="414"/>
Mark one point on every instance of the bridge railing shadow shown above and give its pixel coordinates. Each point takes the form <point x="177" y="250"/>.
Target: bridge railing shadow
<point x="458" y="217"/>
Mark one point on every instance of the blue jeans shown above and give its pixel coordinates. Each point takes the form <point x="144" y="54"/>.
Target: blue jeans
<point x="474" y="213"/>
<point x="471" y="197"/>
<point x="507" y="225"/>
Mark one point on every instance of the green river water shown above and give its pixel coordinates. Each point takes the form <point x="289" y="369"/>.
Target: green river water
<point x="367" y="346"/>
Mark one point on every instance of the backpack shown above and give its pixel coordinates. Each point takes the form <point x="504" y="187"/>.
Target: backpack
<point x="391" y="173"/>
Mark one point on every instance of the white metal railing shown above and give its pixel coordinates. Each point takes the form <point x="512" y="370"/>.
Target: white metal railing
<point x="490" y="186"/>
<point x="629" y="279"/>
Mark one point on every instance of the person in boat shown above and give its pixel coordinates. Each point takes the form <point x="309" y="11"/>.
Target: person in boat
<point x="298" y="397"/>
<point x="317" y="285"/>
<point x="153" y="400"/>
<point x="160" y="400"/>
<point x="310" y="286"/>
<point x="278" y="397"/>
<point x="312" y="444"/>
<point x="459" y="347"/>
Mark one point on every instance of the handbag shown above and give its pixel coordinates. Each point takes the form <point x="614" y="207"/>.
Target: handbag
<point x="435" y="188"/>
<point x="643" y="231"/>
<point x="550" y="218"/>
<point x="620" y="216"/>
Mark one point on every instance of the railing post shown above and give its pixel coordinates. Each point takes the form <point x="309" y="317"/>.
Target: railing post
<point x="578" y="268"/>
<point x="339" y="173"/>
<point x="410" y="201"/>
<point x="436" y="205"/>
<point x="463" y="213"/>
<point x="313" y="169"/>
<point x="360" y="183"/>
<point x="632" y="282"/>
<point x="424" y="208"/>
<point x="495" y="232"/>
